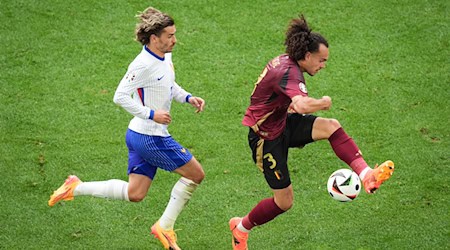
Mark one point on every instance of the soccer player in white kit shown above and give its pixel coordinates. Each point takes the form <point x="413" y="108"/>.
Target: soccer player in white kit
<point x="146" y="91"/>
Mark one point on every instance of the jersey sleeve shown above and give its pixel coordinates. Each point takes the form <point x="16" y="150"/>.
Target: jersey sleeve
<point x="179" y="94"/>
<point x="133" y="80"/>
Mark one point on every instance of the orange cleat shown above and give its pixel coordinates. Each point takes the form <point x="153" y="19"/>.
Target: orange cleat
<point x="168" y="238"/>
<point x="65" y="192"/>
<point x="375" y="177"/>
<point x="239" y="239"/>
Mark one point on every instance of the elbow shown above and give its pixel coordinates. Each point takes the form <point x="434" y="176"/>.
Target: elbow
<point x="117" y="98"/>
<point x="301" y="105"/>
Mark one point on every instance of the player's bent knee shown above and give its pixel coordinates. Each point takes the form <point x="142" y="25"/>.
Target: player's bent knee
<point x="334" y="124"/>
<point x="285" y="205"/>
<point x="198" y="176"/>
<point x="192" y="170"/>
<point x="136" y="197"/>
<point x="330" y="127"/>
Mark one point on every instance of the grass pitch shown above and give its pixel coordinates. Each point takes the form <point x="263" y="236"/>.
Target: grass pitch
<point x="388" y="75"/>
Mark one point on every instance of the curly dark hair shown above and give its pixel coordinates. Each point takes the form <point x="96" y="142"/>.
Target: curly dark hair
<point x="152" y="22"/>
<point x="300" y="39"/>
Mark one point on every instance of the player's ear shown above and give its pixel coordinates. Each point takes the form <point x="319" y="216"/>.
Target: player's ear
<point x="153" y="38"/>
<point x="307" y="55"/>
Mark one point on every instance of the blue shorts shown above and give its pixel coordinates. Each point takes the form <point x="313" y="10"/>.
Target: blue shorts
<point x="147" y="153"/>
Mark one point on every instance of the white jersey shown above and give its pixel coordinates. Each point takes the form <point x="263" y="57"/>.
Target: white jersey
<point x="149" y="84"/>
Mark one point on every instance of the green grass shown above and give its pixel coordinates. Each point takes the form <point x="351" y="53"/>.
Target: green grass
<point x="388" y="75"/>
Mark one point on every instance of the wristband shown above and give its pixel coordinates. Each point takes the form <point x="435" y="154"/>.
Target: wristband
<point x="152" y="113"/>
<point x="187" y="97"/>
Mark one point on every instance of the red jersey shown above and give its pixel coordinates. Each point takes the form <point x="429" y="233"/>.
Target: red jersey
<point x="280" y="80"/>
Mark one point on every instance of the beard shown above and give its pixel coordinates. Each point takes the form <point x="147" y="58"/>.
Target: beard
<point x="167" y="49"/>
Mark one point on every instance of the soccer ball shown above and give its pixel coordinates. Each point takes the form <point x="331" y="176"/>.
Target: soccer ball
<point x="344" y="185"/>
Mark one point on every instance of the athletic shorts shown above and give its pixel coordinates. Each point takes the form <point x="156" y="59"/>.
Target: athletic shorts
<point x="271" y="155"/>
<point x="147" y="153"/>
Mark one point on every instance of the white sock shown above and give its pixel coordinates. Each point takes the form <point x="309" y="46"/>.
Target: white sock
<point x="363" y="173"/>
<point x="113" y="189"/>
<point x="181" y="194"/>
<point x="241" y="228"/>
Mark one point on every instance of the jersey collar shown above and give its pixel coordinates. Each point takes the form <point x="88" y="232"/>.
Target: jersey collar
<point x="153" y="54"/>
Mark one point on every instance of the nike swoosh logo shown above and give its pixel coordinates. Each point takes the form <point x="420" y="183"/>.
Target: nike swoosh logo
<point x="159" y="78"/>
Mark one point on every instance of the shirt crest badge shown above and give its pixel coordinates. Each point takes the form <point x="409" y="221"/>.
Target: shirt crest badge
<point x="303" y="88"/>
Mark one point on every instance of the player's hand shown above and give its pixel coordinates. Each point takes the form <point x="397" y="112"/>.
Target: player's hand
<point x="162" y="116"/>
<point x="291" y="108"/>
<point x="326" y="102"/>
<point x="197" y="103"/>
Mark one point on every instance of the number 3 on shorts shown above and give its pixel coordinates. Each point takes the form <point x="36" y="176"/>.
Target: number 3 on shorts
<point x="270" y="159"/>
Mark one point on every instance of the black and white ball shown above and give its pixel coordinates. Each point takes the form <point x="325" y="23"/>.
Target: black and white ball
<point x="344" y="185"/>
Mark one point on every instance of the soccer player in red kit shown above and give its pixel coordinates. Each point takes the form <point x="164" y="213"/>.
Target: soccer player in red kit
<point x="279" y="117"/>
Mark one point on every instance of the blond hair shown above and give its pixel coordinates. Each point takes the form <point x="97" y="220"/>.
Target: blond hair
<point x="151" y="22"/>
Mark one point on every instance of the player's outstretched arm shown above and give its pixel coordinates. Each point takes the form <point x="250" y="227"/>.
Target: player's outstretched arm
<point x="197" y="103"/>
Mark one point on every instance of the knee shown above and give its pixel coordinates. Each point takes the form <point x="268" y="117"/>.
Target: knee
<point x="286" y="205"/>
<point x="324" y="128"/>
<point x="333" y="124"/>
<point x="135" y="196"/>
<point x="192" y="170"/>
<point x="198" y="176"/>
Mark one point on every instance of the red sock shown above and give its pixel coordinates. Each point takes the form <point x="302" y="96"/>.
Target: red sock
<point x="347" y="150"/>
<point x="265" y="211"/>
<point x="358" y="165"/>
